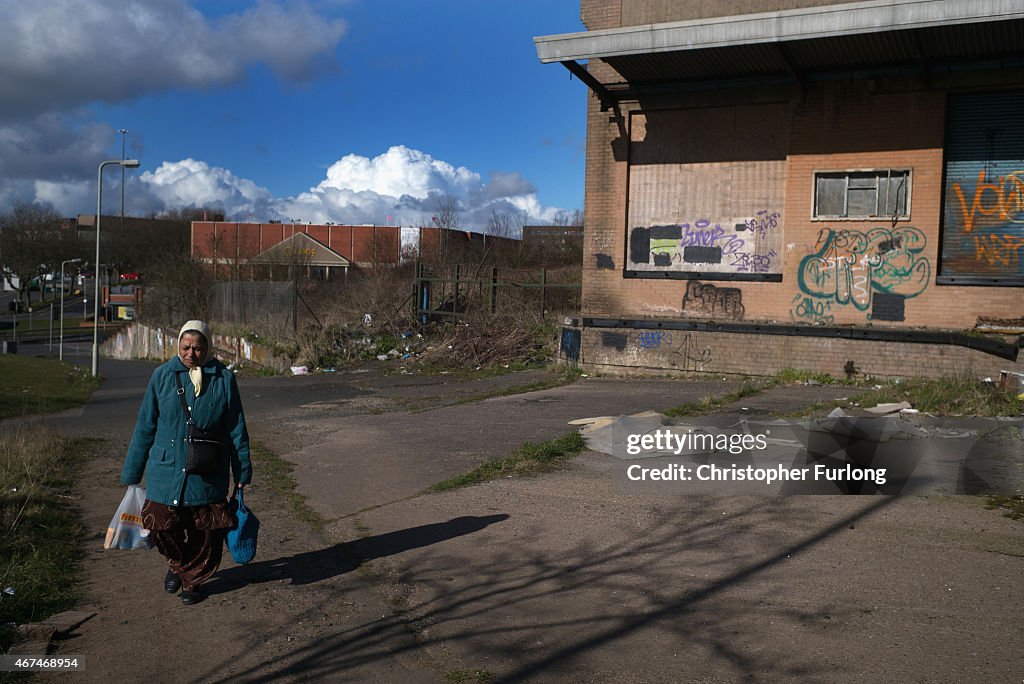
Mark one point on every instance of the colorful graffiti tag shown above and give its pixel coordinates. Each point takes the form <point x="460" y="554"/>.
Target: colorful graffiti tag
<point x="850" y="268"/>
<point x="1005" y="203"/>
<point x="984" y="226"/>
<point x="734" y="246"/>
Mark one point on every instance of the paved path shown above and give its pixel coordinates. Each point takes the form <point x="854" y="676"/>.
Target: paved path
<point x="562" y="578"/>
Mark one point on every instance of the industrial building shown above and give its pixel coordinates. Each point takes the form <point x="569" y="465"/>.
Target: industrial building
<point x="832" y="186"/>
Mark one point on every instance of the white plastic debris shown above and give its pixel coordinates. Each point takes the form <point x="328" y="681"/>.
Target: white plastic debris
<point x="300" y="370"/>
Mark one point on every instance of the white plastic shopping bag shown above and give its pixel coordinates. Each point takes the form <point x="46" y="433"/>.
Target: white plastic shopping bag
<point x="125" y="530"/>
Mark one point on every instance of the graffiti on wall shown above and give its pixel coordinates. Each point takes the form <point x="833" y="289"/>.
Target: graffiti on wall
<point x="653" y="339"/>
<point x="983" y="227"/>
<point x="709" y="301"/>
<point x="730" y="246"/>
<point x="683" y="349"/>
<point x="1001" y="202"/>
<point x="689" y="356"/>
<point x="852" y="268"/>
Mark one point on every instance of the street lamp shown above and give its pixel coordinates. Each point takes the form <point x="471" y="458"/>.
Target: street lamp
<point x="123" y="132"/>
<point x="60" y="348"/>
<point x="127" y="163"/>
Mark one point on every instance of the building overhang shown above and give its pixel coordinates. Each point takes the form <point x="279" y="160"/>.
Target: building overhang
<point x="794" y="44"/>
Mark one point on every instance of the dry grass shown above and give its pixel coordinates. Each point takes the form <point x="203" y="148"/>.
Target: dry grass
<point x="39" y="553"/>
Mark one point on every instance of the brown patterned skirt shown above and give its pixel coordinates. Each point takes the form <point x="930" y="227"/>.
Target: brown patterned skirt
<point x="191" y="538"/>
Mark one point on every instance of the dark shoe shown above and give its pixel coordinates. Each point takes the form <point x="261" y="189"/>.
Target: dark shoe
<point x="190" y="598"/>
<point x="172" y="583"/>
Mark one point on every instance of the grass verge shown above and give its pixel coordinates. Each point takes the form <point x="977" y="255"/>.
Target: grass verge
<point x="712" y="404"/>
<point x="530" y="459"/>
<point x="39" y="530"/>
<point x="949" y="396"/>
<point x="275" y="474"/>
<point x="33" y="386"/>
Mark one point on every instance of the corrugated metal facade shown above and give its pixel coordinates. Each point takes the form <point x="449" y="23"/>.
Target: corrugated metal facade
<point x="983" y="217"/>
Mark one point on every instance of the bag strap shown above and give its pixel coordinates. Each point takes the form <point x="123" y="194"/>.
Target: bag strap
<point x="181" y="396"/>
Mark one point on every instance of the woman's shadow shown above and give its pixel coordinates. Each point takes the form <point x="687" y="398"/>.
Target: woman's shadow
<point x="315" y="566"/>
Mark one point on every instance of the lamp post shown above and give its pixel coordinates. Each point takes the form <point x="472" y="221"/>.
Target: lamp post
<point x="123" y="132"/>
<point x="131" y="164"/>
<point x="60" y="347"/>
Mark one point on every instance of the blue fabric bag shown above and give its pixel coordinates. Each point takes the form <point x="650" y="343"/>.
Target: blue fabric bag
<point x="241" y="539"/>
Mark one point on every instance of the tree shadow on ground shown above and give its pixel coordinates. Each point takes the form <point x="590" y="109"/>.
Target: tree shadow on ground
<point x="316" y="566"/>
<point x="704" y="584"/>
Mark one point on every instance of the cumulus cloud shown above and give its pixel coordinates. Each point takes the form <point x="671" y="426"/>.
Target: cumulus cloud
<point x="399" y="171"/>
<point x="61" y="54"/>
<point x="401" y="186"/>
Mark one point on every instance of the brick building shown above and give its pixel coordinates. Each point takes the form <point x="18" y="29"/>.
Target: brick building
<point x="320" y="251"/>
<point x="801" y="183"/>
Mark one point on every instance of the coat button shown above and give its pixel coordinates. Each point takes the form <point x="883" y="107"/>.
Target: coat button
<point x="175" y="502"/>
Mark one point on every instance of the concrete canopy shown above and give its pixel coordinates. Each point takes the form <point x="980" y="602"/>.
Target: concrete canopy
<point x="797" y="42"/>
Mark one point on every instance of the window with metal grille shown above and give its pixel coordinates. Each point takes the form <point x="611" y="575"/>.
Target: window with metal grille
<point x="862" y="194"/>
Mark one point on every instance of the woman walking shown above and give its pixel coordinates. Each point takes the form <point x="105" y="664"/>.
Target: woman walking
<point x="187" y="509"/>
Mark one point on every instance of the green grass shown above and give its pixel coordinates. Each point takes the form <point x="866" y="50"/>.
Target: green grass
<point x="530" y="459"/>
<point x="275" y="474"/>
<point x="962" y="395"/>
<point x="950" y="396"/>
<point x="39" y="532"/>
<point x="33" y="386"/>
<point x="1012" y="506"/>
<point x="712" y="404"/>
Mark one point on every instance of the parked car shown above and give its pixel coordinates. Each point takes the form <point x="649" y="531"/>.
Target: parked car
<point x="131" y="276"/>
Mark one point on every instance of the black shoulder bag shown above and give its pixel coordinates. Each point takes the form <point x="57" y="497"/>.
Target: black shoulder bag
<point x="204" y="446"/>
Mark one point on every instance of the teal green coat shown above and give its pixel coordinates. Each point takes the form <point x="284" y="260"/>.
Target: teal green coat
<point x="158" y="446"/>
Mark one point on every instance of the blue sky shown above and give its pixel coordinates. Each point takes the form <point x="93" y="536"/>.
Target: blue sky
<point x="320" y="110"/>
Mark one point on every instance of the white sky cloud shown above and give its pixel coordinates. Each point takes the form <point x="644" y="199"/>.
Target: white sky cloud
<point x="58" y="56"/>
<point x="404" y="184"/>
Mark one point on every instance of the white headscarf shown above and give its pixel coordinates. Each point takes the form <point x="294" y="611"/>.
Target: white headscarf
<point x="196" y="374"/>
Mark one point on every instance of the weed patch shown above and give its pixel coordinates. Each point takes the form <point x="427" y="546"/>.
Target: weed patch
<point x="276" y="474"/>
<point x="950" y="396"/>
<point x="530" y="459"/>
<point x="1012" y="506"/>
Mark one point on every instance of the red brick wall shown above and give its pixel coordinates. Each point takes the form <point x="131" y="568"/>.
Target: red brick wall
<point x="834" y="127"/>
<point x="364" y="245"/>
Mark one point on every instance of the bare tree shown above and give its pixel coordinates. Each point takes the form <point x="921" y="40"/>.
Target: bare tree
<point x="31" y="245"/>
<point x="447" y="219"/>
<point x="569" y="218"/>
<point x="506" y="224"/>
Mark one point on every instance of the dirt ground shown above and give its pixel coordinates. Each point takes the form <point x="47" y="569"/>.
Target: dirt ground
<point x="560" y="578"/>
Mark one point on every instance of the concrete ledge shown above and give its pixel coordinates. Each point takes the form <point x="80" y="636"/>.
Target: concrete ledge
<point x="874" y="16"/>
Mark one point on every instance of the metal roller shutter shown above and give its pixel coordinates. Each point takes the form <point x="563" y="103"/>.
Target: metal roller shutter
<point x="983" y="214"/>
